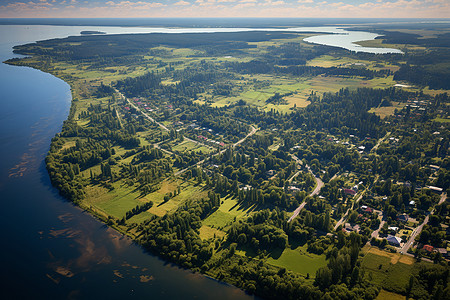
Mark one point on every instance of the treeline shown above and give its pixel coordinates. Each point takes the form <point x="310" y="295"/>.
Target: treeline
<point x="265" y="67"/>
<point x="422" y="77"/>
<point x="97" y="46"/>
<point x="137" y="210"/>
<point x="176" y="236"/>
<point x="332" y="111"/>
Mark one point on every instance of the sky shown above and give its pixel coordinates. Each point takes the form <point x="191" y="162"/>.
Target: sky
<point x="225" y="8"/>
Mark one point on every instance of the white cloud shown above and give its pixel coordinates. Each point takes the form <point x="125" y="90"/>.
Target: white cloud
<point x="244" y="5"/>
<point x="182" y="3"/>
<point x="229" y="8"/>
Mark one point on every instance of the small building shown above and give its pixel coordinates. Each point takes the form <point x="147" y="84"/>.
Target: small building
<point x="368" y="210"/>
<point x="403" y="218"/>
<point x="435" y="189"/>
<point x="428" y="248"/>
<point x="393" y="228"/>
<point x="270" y="173"/>
<point x="434" y="167"/>
<point x="442" y="251"/>
<point x="393" y="240"/>
<point x="349" y="228"/>
<point x="350" y="192"/>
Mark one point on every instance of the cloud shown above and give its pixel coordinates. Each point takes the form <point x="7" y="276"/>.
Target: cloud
<point x="244" y="5"/>
<point x="182" y="3"/>
<point x="228" y="8"/>
<point x="128" y="5"/>
<point x="273" y="3"/>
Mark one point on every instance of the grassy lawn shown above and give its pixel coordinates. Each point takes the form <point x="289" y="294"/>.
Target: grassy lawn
<point x="385" y="295"/>
<point x="140" y="217"/>
<point x="299" y="260"/>
<point x="441" y="120"/>
<point x="188" y="191"/>
<point x="190" y="146"/>
<point x="207" y="232"/>
<point x="227" y="212"/>
<point x="116" y="202"/>
<point x="384" y="112"/>
<point x="389" y="270"/>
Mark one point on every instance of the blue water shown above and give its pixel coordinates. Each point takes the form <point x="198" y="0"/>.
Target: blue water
<point x="51" y="249"/>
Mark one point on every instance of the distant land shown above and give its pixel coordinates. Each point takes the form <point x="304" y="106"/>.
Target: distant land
<point x="88" y="32"/>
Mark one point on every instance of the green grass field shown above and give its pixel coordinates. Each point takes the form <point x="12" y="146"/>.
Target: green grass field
<point x="390" y="270"/>
<point x="227" y="212"/>
<point x="384" y="112"/>
<point x="385" y="295"/>
<point x="116" y="202"/>
<point x="299" y="260"/>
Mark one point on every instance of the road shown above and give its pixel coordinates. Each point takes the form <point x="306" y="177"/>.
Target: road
<point x="316" y="191"/>
<point x="376" y="232"/>
<point x="419" y="228"/>
<point x="374" y="149"/>
<point x="297" y="211"/>
<point x="156" y="122"/>
<point x="252" y="132"/>
<point x="344" y="217"/>
<point x="139" y="110"/>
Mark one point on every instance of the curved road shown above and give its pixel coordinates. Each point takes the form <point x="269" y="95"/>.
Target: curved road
<point x="316" y="191"/>
<point x="419" y="228"/>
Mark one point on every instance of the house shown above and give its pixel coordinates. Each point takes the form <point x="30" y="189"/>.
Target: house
<point x="434" y="167"/>
<point x="368" y="210"/>
<point x="349" y="228"/>
<point x="428" y="248"/>
<point x="403" y="218"/>
<point x="270" y="173"/>
<point x="393" y="228"/>
<point x="350" y="192"/>
<point x="393" y="240"/>
<point x="442" y="251"/>
<point x="435" y="189"/>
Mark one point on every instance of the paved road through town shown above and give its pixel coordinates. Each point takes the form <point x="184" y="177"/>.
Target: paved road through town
<point x="419" y="228"/>
<point x="316" y="191"/>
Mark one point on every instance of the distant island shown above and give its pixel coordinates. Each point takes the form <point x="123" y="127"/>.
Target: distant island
<point x="90" y="32"/>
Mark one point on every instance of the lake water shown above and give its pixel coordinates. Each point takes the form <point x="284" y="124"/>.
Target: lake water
<point x="347" y="41"/>
<point x="50" y="248"/>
